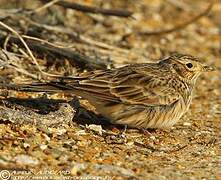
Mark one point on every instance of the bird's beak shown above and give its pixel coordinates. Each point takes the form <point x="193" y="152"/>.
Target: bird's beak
<point x="208" y="68"/>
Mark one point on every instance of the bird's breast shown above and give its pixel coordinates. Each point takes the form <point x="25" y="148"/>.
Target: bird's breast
<point x="167" y="116"/>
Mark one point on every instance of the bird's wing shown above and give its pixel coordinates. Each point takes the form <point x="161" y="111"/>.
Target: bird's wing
<point x="150" y="89"/>
<point x="133" y="87"/>
<point x="147" y="91"/>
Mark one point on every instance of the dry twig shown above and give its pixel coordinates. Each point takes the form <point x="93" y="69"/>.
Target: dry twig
<point x="9" y="60"/>
<point x="45" y="6"/>
<point x="95" y="10"/>
<point x="75" y="35"/>
<point x="23" y="42"/>
<point x="18" y="38"/>
<point x="181" y="25"/>
<point x="73" y="57"/>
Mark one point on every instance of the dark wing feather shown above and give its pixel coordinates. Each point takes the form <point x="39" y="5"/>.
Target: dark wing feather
<point x="147" y="90"/>
<point x="95" y="83"/>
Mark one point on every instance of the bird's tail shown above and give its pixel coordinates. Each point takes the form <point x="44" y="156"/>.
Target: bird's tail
<point x="35" y="87"/>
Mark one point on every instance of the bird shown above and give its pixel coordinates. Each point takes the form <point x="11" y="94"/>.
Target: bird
<point x="143" y="95"/>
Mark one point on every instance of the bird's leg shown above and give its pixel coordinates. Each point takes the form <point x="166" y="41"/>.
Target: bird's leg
<point x="123" y="133"/>
<point x="147" y="132"/>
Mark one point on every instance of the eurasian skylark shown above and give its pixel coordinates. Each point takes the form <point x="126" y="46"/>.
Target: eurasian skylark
<point x="149" y="95"/>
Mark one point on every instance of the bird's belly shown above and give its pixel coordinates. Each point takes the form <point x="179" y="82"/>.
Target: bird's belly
<point x="146" y="117"/>
<point x="166" y="116"/>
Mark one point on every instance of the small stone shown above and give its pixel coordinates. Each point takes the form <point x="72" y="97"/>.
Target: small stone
<point x="25" y="160"/>
<point x="130" y="143"/>
<point x="77" y="168"/>
<point x="26" y="145"/>
<point x="43" y="146"/>
<point x="152" y="137"/>
<point x="81" y="132"/>
<point x="61" y="131"/>
<point x="96" y="128"/>
<point x="46" y="137"/>
<point x="187" y="124"/>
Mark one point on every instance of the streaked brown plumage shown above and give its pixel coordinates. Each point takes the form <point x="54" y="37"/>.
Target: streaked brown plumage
<point x="150" y="95"/>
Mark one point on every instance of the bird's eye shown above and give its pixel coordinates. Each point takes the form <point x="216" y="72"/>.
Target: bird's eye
<point x="189" y="65"/>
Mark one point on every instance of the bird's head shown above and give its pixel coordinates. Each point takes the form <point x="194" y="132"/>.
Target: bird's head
<point x="187" y="67"/>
